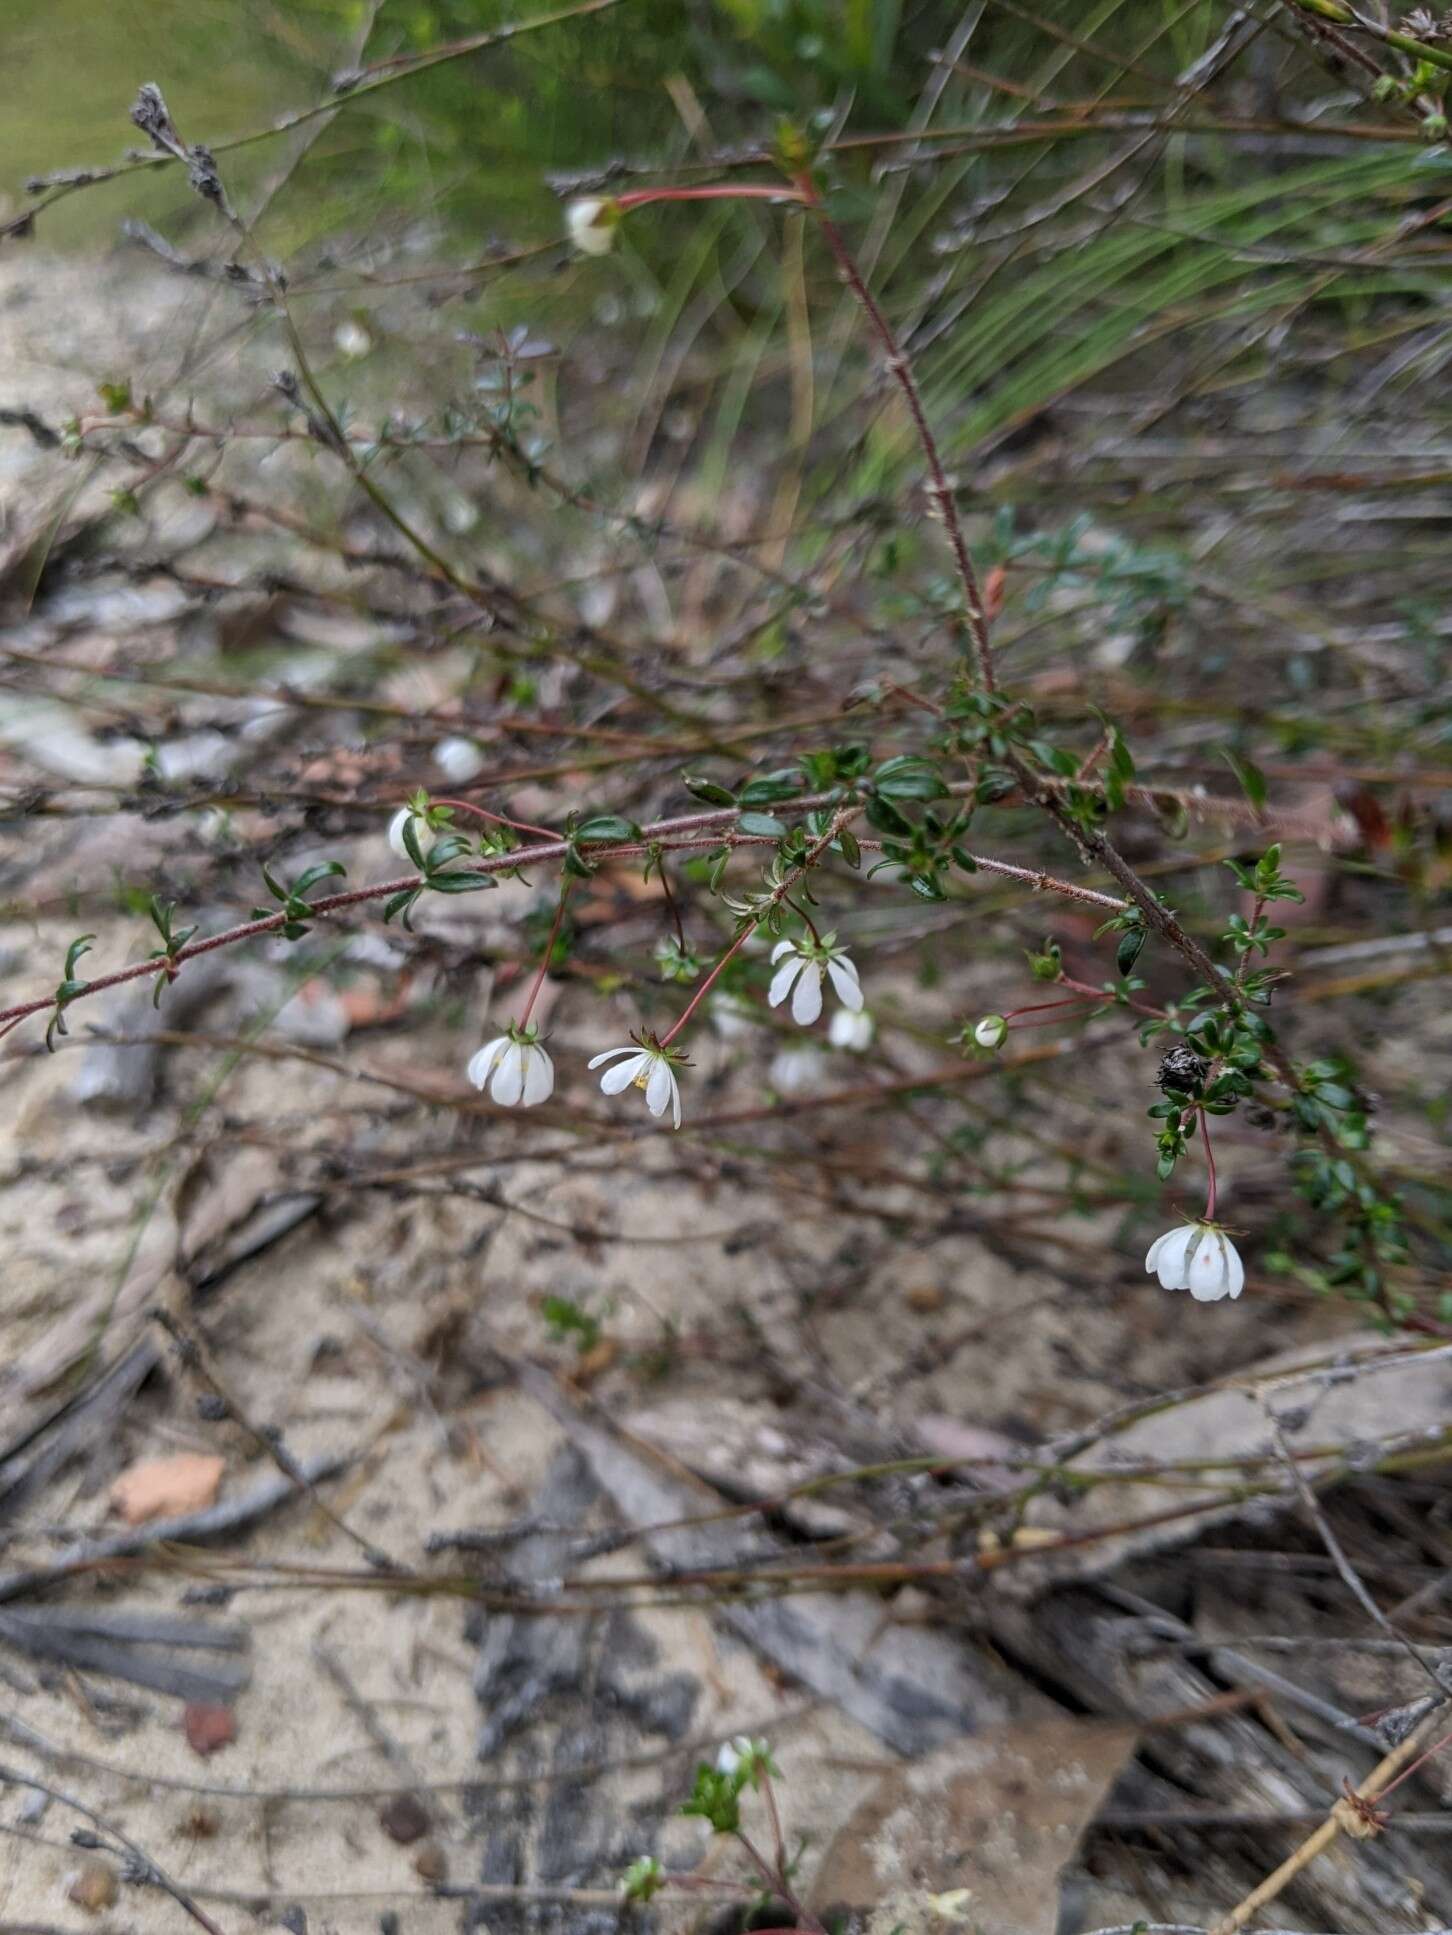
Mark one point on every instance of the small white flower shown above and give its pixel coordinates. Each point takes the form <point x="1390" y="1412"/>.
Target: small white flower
<point x="854" y="1031"/>
<point x="352" y="339"/>
<point x="516" y="1069"/>
<point x="459" y="759"/>
<point x="742" y="1752"/>
<point x="592" y="223"/>
<point x="800" y="975"/>
<point x="649" y="1067"/>
<point x="1200" y="1258"/>
<point x="794" y="1071"/>
<point x="991" y="1032"/>
<point x="395" y="832"/>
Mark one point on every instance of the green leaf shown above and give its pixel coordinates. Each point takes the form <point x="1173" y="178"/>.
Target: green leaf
<point x="460" y="883"/>
<point x="909" y="778"/>
<point x="1252" y="779"/>
<point x="1131" y="943"/>
<point x="707" y="791"/>
<point x="767" y="789"/>
<point x="762" y="824"/>
<point x="882" y="814"/>
<point x="607" y="829"/>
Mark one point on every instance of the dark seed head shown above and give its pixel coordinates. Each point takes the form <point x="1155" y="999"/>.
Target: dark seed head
<point x="1183" y="1070"/>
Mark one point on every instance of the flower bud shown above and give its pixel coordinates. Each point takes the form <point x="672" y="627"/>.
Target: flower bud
<point x="592" y="223"/>
<point x="991" y="1032"/>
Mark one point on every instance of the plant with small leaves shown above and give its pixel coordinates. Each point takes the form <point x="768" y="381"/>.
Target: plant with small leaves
<point x="643" y="1879"/>
<point x="676" y="963"/>
<point x="436" y="861"/>
<point x="173" y="940"/>
<point x="297" y="915"/>
<point x="564" y="1318"/>
<point x="598" y="830"/>
<point x="68" y="989"/>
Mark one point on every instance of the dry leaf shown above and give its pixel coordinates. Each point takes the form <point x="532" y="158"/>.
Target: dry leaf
<point x="208" y="1728"/>
<point x="167" y="1487"/>
<point x="975" y="1835"/>
<point x="93" y="1886"/>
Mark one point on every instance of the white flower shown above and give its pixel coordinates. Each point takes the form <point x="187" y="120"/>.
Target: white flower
<point x="395" y="832"/>
<point x="1199" y="1258"/>
<point x="991" y="1032"/>
<point x="352" y="339"/>
<point x="794" y="1071"/>
<point x="517" y="1070"/>
<point x="802" y="963"/>
<point x="744" y="1756"/>
<point x="591" y="223"/>
<point x="854" y="1031"/>
<point x="459" y="758"/>
<point x="742" y="1752"/>
<point x="650" y="1067"/>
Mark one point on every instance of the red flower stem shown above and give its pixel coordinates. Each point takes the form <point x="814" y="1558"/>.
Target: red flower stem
<point x="499" y="819"/>
<point x="723" y="192"/>
<point x="1042" y="1007"/>
<point x="1098" y="994"/>
<point x="806" y="919"/>
<point x="549" y="948"/>
<point x="705" y="988"/>
<point x="1210" y="1166"/>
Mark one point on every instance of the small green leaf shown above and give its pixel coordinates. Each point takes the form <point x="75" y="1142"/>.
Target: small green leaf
<point x="1252" y="779"/>
<point x="707" y="791"/>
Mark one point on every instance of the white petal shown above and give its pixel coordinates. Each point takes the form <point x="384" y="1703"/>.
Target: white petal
<point x="807" y="1001"/>
<point x="624" y="1073"/>
<point x="781" y="981"/>
<point x="854" y="1031"/>
<point x="508" y="1084"/>
<point x="1235" y="1269"/>
<point x="844" y="980"/>
<point x="595" y="1060"/>
<point x="1173" y="1268"/>
<point x="1154" y="1250"/>
<point x="782" y="947"/>
<point x="460" y="759"/>
<point x="587" y="230"/>
<point x="658" y="1088"/>
<point x="1208" y="1274"/>
<point x="675" y="1101"/>
<point x="395" y="833"/>
<point x="539" y="1076"/>
<point x="481" y="1066"/>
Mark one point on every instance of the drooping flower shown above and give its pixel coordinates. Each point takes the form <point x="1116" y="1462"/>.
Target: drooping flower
<point x="460" y="759"/>
<point x="649" y="1067"/>
<point x="800" y="975"/>
<point x="795" y="1071"/>
<point x="849" y="1030"/>
<point x="1200" y="1258"/>
<point x="592" y="222"/>
<point x="742" y="1752"/>
<point x="395" y="831"/>
<point x="517" y="1071"/>
<point x="991" y="1032"/>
